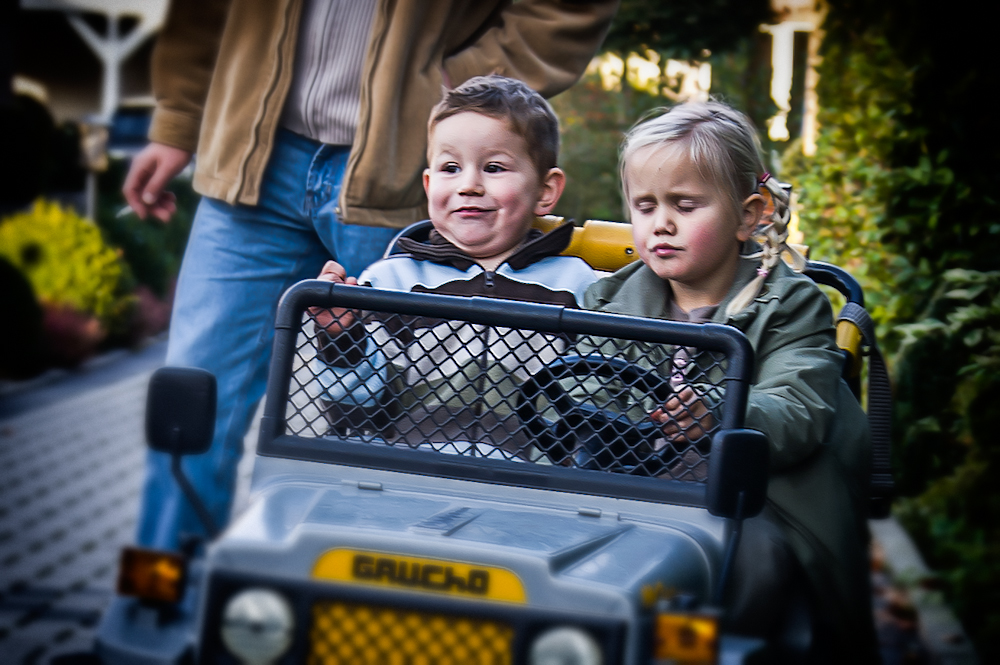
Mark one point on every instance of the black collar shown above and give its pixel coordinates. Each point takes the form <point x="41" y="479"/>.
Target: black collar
<point x="536" y="246"/>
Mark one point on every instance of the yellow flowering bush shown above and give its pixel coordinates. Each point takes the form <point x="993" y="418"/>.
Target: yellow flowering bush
<point x="67" y="262"/>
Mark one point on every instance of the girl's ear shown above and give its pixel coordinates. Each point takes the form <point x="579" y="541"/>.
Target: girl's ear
<point x="750" y="214"/>
<point x="552" y="187"/>
<point x="427" y="180"/>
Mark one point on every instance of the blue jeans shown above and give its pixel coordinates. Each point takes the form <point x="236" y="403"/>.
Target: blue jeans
<point x="239" y="260"/>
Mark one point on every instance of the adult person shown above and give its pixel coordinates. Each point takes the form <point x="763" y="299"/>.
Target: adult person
<point x="308" y="117"/>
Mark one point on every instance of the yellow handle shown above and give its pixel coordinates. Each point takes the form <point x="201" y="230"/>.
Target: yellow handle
<point x="604" y="245"/>
<point x="849" y="339"/>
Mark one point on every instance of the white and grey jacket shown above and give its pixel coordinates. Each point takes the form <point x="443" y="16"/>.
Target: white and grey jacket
<point x="409" y="369"/>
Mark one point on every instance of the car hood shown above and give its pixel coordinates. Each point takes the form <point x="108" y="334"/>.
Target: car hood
<point x="548" y="544"/>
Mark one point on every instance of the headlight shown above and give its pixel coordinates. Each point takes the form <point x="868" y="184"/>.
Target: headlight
<point x="257" y="626"/>
<point x="565" y="646"/>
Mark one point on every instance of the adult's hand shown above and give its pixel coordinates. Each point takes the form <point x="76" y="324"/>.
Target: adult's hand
<point x="155" y="166"/>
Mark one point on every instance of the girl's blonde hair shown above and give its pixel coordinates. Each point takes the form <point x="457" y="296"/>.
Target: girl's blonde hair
<point x="723" y="145"/>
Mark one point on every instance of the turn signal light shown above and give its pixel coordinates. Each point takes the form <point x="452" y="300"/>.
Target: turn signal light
<point x="686" y="639"/>
<point x="152" y="575"/>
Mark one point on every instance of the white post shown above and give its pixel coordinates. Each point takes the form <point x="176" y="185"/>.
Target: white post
<point x="795" y="16"/>
<point x="112" y="50"/>
<point x="810" y="126"/>
<point x="782" y="61"/>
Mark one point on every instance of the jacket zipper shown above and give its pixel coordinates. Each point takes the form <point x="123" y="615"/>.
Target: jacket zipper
<point x="483" y="362"/>
<point x="241" y="181"/>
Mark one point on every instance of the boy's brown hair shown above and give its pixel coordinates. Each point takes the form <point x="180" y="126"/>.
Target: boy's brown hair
<point x="527" y="113"/>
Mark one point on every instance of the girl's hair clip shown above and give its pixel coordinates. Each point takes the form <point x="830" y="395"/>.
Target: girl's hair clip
<point x="764" y="178"/>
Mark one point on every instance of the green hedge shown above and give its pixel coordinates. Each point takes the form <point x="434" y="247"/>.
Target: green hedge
<point x="152" y="249"/>
<point x="901" y="192"/>
<point x="104" y="284"/>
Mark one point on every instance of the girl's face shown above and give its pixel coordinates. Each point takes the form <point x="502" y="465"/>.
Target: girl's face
<point x="684" y="227"/>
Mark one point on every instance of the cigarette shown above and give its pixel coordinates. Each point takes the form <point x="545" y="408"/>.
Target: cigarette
<point x="124" y="211"/>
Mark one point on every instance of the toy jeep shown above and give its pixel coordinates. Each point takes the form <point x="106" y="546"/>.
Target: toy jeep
<point x="482" y="483"/>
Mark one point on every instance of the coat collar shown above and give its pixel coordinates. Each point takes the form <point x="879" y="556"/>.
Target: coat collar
<point x="536" y="246"/>
<point x="637" y="291"/>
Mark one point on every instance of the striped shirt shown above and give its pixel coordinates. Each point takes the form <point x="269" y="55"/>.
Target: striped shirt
<point x="323" y="101"/>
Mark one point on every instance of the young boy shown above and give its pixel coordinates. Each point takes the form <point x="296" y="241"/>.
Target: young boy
<point x="492" y="149"/>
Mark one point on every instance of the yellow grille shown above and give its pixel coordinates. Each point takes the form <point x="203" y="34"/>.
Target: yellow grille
<point x="356" y="634"/>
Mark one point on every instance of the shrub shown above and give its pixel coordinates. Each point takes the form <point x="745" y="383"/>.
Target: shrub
<point x="152" y="250"/>
<point x="67" y="262"/>
<point x="22" y="354"/>
<point x="899" y="191"/>
<point x="949" y="451"/>
<point x="42" y="157"/>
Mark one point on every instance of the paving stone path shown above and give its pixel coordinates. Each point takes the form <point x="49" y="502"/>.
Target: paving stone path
<point x="71" y="468"/>
<point x="70" y="474"/>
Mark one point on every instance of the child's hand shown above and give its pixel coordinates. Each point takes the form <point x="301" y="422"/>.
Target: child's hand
<point x="335" y="319"/>
<point x="684" y="416"/>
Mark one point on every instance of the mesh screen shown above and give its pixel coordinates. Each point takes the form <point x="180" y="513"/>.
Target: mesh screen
<point x="458" y="388"/>
<point x="358" y="634"/>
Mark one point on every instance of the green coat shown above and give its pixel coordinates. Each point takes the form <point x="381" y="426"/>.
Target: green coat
<point x="817" y="431"/>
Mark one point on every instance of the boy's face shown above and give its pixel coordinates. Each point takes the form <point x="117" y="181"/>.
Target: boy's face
<point x="483" y="189"/>
<point x="684" y="227"/>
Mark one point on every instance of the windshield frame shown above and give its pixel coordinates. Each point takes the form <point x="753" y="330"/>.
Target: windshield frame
<point x="274" y="442"/>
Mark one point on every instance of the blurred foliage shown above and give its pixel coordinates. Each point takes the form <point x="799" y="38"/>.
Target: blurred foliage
<point x="900" y="191"/>
<point x="961" y="329"/>
<point x="22" y="350"/>
<point x="844" y="189"/>
<point x="107" y="284"/>
<point x="47" y="156"/>
<point x="67" y="262"/>
<point x="950" y="451"/>
<point x="684" y="29"/>
<point x="153" y="250"/>
<point x="593" y="120"/>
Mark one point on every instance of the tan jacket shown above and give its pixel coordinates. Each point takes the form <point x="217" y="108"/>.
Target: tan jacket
<point x="222" y="70"/>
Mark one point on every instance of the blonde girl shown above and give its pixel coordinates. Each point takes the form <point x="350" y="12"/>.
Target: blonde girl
<point x="692" y="179"/>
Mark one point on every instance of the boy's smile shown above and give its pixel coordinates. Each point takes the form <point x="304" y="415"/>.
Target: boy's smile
<point x="684" y="227"/>
<point x="483" y="188"/>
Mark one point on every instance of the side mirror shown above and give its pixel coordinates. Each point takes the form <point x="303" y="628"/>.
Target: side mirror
<point x="737" y="474"/>
<point x="180" y="410"/>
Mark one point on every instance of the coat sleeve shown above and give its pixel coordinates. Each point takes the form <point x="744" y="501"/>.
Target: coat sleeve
<point x="182" y="65"/>
<point x="545" y="43"/>
<point x="798" y="368"/>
